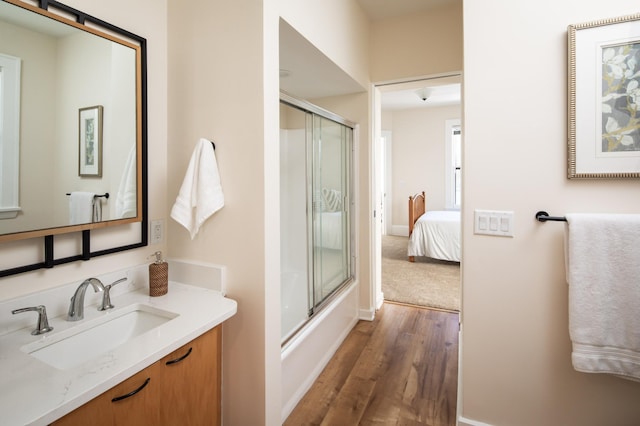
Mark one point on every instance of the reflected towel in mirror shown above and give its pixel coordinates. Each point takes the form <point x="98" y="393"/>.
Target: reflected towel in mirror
<point x="81" y="207"/>
<point x="126" y="197"/>
<point x="201" y="193"/>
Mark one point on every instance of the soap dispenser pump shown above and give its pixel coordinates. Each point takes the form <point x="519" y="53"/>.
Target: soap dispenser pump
<point x="158" y="276"/>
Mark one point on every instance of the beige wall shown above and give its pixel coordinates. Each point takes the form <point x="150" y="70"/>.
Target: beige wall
<point x="337" y="28"/>
<point x="216" y="91"/>
<point x="418" y="157"/>
<point x="417" y="45"/>
<point x="516" y="356"/>
<point x="229" y="92"/>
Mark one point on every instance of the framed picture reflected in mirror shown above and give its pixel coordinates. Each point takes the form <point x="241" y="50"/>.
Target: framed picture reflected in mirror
<point x="90" y="141"/>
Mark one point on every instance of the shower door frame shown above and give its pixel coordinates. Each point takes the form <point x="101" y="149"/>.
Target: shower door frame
<point x="314" y="308"/>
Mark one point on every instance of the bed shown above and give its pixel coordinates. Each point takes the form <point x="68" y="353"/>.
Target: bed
<point x="435" y="233"/>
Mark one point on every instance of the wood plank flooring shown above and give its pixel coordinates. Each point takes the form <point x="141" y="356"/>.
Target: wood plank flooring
<point x="400" y="369"/>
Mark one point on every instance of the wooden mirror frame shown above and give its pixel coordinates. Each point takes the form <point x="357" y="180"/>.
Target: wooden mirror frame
<point x="46" y="236"/>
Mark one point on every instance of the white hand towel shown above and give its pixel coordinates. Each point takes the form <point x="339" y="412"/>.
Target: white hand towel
<point x="81" y="207"/>
<point x="201" y="193"/>
<point x="603" y="273"/>
<point x="96" y="215"/>
<point x="126" y="198"/>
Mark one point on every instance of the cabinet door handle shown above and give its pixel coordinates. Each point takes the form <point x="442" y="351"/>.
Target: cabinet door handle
<point x="177" y="360"/>
<point x="121" y="397"/>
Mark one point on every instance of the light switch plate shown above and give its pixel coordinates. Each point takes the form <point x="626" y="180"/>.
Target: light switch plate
<point x="493" y="222"/>
<point x="156" y="231"/>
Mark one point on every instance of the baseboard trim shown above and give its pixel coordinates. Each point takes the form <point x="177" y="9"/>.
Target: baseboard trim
<point x="463" y="421"/>
<point x="399" y="230"/>
<point x="366" y="314"/>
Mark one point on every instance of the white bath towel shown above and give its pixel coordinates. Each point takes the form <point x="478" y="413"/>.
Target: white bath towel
<point x="603" y="272"/>
<point x="81" y="207"/>
<point x="201" y="193"/>
<point x="126" y="198"/>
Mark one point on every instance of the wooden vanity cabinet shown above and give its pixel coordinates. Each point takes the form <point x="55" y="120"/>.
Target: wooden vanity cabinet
<point x="182" y="388"/>
<point x="191" y="382"/>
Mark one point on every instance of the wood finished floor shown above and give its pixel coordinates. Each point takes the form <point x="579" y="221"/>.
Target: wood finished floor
<point x="400" y="369"/>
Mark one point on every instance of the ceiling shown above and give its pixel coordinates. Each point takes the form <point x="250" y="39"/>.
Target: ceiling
<point x="427" y="93"/>
<point x="306" y="73"/>
<point x="383" y="9"/>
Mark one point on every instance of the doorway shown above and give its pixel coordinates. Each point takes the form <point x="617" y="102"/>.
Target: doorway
<point x="413" y="153"/>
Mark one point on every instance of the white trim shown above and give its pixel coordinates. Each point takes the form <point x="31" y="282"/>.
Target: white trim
<point x="463" y="421"/>
<point x="387" y="137"/>
<point x="379" y="300"/>
<point x="10" y="136"/>
<point x="453" y="74"/>
<point x="375" y="231"/>
<point x="367" y="314"/>
<point x="449" y="125"/>
<point x="9" y="212"/>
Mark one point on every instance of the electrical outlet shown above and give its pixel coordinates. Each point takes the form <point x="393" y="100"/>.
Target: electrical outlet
<point x="156" y="231"/>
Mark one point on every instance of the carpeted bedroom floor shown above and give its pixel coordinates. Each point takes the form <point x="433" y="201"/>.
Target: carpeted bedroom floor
<point x="426" y="282"/>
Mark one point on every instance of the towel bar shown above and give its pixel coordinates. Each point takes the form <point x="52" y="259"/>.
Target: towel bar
<point x="543" y="216"/>
<point x="105" y="195"/>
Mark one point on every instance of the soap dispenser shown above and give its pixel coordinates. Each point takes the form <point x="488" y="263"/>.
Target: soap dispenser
<point x="158" y="276"/>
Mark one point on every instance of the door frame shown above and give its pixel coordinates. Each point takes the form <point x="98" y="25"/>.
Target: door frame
<point x="376" y="170"/>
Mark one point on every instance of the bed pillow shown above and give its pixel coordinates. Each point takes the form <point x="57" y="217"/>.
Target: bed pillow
<point x="332" y="199"/>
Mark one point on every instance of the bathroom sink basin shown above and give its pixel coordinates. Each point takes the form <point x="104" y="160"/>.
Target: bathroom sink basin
<point x="89" y="340"/>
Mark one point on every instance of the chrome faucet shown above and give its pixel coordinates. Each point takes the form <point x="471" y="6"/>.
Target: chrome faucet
<point x="106" y="296"/>
<point x="76" y="307"/>
<point x="43" y="323"/>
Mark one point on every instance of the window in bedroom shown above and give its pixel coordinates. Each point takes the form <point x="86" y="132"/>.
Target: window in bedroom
<point x="454" y="164"/>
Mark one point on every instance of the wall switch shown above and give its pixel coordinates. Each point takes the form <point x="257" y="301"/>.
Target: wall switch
<point x="493" y="222"/>
<point x="156" y="231"/>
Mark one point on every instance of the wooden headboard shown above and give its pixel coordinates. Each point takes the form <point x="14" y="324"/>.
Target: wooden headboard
<point x="417" y="205"/>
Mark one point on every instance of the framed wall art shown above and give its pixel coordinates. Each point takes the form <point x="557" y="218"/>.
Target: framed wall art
<point x="604" y="98"/>
<point x="90" y="141"/>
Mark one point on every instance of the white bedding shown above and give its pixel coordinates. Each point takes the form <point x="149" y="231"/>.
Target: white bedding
<point x="436" y="234"/>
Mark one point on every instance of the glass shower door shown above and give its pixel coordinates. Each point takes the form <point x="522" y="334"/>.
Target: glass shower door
<point x="315" y="231"/>
<point x="330" y="219"/>
<point x="295" y="296"/>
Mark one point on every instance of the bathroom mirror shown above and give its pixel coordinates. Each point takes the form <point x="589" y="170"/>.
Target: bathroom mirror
<point x="73" y="134"/>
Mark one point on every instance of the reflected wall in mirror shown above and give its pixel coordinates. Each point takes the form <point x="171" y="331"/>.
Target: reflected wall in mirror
<point x="65" y="68"/>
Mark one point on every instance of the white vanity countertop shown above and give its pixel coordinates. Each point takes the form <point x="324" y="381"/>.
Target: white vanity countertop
<point x="34" y="393"/>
